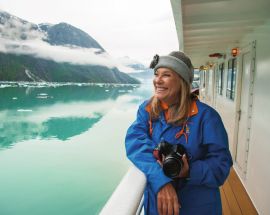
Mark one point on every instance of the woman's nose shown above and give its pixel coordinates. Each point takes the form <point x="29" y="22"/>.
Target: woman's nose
<point x="158" y="79"/>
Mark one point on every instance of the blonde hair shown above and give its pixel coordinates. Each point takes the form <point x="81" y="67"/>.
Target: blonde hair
<point x="177" y="112"/>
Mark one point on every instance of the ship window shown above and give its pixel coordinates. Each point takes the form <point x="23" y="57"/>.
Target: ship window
<point x="202" y="78"/>
<point x="220" y="79"/>
<point x="230" y="92"/>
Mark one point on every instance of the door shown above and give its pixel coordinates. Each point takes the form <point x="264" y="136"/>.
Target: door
<point x="243" y="133"/>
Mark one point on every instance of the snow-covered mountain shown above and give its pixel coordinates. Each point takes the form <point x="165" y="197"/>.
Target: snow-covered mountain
<point x="55" y="53"/>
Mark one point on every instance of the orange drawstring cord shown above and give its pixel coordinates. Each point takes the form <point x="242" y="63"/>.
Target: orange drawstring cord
<point x="183" y="131"/>
<point x="150" y="127"/>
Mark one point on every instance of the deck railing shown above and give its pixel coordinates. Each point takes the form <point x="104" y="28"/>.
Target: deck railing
<point x="128" y="196"/>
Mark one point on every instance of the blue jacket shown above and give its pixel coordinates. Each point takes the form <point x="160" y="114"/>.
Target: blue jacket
<point x="207" y="149"/>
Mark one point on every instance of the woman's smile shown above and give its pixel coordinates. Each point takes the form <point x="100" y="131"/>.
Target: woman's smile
<point x="161" y="89"/>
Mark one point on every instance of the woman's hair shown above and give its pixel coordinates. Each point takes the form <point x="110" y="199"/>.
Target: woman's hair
<point x="179" y="111"/>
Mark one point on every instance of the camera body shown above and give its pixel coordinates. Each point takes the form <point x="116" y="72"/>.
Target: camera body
<point x="170" y="155"/>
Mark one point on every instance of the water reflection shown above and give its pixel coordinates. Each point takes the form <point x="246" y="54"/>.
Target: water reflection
<point x="64" y="128"/>
<point x="53" y="112"/>
<point x="63" y="148"/>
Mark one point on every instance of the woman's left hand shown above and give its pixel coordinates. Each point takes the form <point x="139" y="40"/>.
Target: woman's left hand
<point x="167" y="201"/>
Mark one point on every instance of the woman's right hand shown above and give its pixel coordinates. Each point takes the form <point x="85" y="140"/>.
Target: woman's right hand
<point x="167" y="201"/>
<point x="185" y="169"/>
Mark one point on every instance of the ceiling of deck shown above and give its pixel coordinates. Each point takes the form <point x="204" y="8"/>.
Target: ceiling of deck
<point x="213" y="26"/>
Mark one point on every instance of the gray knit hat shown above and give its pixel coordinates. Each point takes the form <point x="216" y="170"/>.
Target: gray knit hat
<point x="176" y="61"/>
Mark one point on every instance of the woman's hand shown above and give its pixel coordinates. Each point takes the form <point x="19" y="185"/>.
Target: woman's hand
<point x="185" y="169"/>
<point x="167" y="201"/>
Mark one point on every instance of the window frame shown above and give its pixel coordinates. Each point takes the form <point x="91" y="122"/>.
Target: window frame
<point x="231" y="79"/>
<point x="220" y="81"/>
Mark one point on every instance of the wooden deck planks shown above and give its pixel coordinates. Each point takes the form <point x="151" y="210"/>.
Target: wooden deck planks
<point x="230" y="197"/>
<point x="235" y="200"/>
<point x="225" y="207"/>
<point x="241" y="195"/>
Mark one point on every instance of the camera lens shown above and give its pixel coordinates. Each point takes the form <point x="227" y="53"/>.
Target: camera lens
<point x="165" y="148"/>
<point x="172" y="166"/>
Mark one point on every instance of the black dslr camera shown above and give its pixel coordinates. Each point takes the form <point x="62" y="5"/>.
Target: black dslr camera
<point x="172" y="158"/>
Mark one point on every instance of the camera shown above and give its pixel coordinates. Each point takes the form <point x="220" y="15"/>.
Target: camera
<point x="170" y="155"/>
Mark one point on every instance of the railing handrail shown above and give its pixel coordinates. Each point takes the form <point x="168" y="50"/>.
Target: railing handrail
<point x="127" y="197"/>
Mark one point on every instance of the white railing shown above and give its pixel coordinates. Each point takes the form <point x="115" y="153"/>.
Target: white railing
<point x="128" y="196"/>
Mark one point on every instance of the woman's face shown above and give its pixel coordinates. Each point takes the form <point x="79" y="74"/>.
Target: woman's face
<point x="167" y="85"/>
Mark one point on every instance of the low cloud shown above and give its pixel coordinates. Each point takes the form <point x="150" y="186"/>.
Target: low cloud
<point x="17" y="37"/>
<point x="75" y="55"/>
<point x="41" y="49"/>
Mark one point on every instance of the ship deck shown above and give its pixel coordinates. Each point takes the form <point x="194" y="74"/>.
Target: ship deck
<point x="235" y="200"/>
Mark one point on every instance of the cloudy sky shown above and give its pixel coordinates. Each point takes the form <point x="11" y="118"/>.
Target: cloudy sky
<point x="135" y="28"/>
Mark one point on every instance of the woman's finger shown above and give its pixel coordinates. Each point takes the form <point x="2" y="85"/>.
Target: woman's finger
<point x="176" y="207"/>
<point x="185" y="168"/>
<point x="159" y="204"/>
<point x="170" y="208"/>
<point x="184" y="159"/>
<point x="164" y="208"/>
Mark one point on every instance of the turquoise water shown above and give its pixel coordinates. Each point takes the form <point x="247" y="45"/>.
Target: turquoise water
<point x="62" y="147"/>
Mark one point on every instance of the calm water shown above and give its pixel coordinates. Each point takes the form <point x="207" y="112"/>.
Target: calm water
<point x="62" y="148"/>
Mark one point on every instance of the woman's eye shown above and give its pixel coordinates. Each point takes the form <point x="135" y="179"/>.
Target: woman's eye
<point x="162" y="75"/>
<point x="167" y="75"/>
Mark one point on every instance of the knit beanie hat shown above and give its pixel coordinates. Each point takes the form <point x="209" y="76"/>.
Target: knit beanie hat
<point x="176" y="61"/>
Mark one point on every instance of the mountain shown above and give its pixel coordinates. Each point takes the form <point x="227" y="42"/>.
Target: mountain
<point x="144" y="75"/>
<point x="65" y="34"/>
<point x="20" y="58"/>
<point x="14" y="28"/>
<point x="138" y="70"/>
<point x="128" y="62"/>
<point x="28" y="68"/>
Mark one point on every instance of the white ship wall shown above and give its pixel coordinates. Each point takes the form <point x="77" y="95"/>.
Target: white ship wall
<point x="257" y="176"/>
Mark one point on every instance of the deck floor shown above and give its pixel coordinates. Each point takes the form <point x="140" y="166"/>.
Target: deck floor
<point x="235" y="200"/>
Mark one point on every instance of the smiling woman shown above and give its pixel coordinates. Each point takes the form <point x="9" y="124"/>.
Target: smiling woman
<point x="179" y="143"/>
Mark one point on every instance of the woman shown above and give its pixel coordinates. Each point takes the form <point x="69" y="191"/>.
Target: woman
<point x="175" y="116"/>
